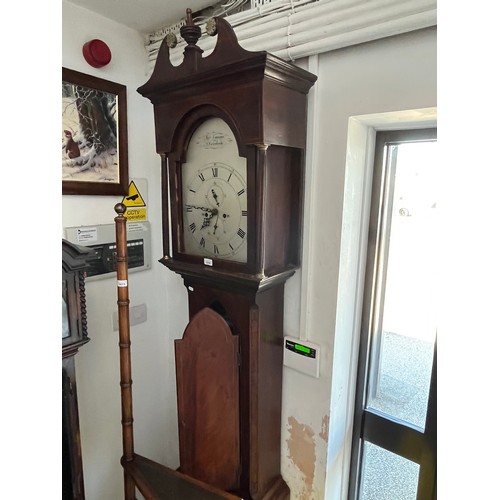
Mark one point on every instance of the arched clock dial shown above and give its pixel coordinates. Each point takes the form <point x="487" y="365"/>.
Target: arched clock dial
<point x="215" y="210"/>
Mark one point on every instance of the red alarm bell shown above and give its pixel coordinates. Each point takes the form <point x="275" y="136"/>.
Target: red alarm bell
<point x="96" y="53"/>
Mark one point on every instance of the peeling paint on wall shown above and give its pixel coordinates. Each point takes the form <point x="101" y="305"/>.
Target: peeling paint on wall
<point x="325" y="425"/>
<point x="302" y="453"/>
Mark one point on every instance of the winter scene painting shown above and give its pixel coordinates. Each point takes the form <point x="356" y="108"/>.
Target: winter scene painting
<point x="93" y="158"/>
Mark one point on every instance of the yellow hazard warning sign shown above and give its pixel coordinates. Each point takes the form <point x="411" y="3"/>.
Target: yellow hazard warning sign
<point x="136" y="206"/>
<point x="133" y="198"/>
<point x="135" y="214"/>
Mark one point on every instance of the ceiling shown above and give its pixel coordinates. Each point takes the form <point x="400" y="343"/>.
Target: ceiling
<point x="144" y="16"/>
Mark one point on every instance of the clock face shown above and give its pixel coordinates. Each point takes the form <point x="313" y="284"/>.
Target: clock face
<point x="214" y="194"/>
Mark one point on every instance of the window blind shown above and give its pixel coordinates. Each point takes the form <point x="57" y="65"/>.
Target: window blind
<point x="292" y="29"/>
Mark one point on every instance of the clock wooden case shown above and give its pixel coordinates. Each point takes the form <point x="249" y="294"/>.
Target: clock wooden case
<point x="231" y="130"/>
<point x="74" y="335"/>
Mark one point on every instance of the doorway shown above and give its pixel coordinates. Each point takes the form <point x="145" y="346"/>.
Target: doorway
<point x="394" y="434"/>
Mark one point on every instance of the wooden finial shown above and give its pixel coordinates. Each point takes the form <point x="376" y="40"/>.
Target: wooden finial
<point x="120" y="208"/>
<point x="190" y="32"/>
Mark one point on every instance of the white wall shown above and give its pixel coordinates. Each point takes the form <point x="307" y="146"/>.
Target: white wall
<point x="97" y="363"/>
<point x="388" y="75"/>
<point x="384" y="76"/>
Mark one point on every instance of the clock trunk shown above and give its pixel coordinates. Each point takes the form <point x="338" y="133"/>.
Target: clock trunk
<point x="255" y="320"/>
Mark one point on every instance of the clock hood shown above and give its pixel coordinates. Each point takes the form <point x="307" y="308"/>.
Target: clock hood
<point x="263" y="88"/>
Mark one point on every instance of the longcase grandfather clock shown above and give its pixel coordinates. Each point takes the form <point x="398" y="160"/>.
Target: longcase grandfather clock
<point x="231" y="130"/>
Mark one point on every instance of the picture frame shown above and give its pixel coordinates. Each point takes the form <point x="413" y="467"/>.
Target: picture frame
<point x="94" y="135"/>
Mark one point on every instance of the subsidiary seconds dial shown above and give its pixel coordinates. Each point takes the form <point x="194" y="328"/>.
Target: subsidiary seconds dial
<point x="216" y="212"/>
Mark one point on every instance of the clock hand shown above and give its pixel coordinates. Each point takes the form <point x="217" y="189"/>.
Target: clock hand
<point x="207" y="217"/>
<point x="215" y="225"/>
<point x="211" y="210"/>
<point x="225" y="221"/>
<point x="214" y="194"/>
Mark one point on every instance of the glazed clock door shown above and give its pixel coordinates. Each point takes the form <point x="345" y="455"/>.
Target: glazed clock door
<point x="214" y="191"/>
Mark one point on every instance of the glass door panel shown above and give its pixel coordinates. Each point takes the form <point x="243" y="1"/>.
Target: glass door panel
<point x="387" y="476"/>
<point x="406" y="326"/>
<point x="393" y="454"/>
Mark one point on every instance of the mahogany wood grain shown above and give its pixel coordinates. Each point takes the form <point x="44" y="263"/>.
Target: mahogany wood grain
<point x="256" y="317"/>
<point x="208" y="400"/>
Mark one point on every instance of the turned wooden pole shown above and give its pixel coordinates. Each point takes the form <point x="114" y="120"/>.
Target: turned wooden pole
<point x="124" y="343"/>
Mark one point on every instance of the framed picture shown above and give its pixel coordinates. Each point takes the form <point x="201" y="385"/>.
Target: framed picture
<point x="94" y="135"/>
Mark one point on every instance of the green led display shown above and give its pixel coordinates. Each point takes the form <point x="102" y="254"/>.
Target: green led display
<point x="303" y="348"/>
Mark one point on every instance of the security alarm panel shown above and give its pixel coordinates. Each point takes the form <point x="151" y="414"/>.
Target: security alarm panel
<point x="301" y="355"/>
<point x="102" y="238"/>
